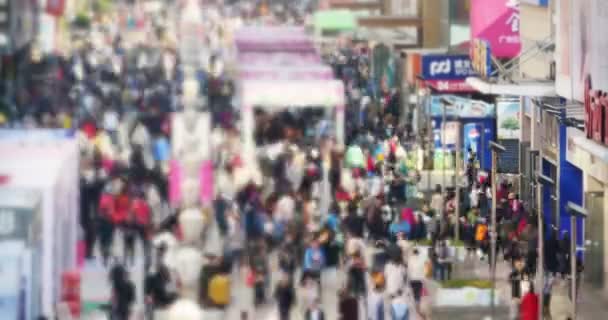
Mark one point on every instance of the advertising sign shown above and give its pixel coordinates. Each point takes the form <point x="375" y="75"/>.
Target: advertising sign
<point x="507" y="119"/>
<point x="596" y="114"/>
<point x="450" y="86"/>
<point x="497" y="21"/>
<point x="481" y="56"/>
<point x="55" y="7"/>
<point x="460" y="107"/>
<point x="540" y="3"/>
<point x="414" y="67"/>
<point x="446" y="67"/>
<point x="472" y="139"/>
<point x="580" y="51"/>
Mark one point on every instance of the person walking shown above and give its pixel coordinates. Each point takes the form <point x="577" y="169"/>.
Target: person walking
<point x="314" y="261"/>
<point x="375" y="303"/>
<point x="437" y="201"/>
<point x="123" y="293"/>
<point x="314" y="312"/>
<point x="416" y="267"/>
<point x="529" y="305"/>
<point x="348" y="308"/>
<point x="285" y="296"/>
<point x="399" y="307"/>
<point x="395" y="273"/>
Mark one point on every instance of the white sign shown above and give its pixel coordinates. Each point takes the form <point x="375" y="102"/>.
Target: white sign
<point x="441" y="67"/>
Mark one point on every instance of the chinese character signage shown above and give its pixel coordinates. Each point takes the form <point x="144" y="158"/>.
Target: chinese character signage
<point x="596" y="113"/>
<point x="497" y="21"/>
<point x="481" y="56"/>
<point x="450" y="86"/>
<point x="446" y="67"/>
<point x="581" y="47"/>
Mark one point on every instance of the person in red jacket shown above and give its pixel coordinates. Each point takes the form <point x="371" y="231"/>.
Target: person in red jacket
<point x="105" y="226"/>
<point x="140" y="212"/>
<point x="122" y="206"/>
<point x="528" y="309"/>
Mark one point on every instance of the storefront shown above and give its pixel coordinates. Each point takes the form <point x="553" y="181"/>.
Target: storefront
<point x="471" y="124"/>
<point x="591" y="159"/>
<point x="454" y="120"/>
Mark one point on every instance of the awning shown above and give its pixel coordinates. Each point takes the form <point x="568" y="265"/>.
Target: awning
<point x="335" y="20"/>
<point x="521" y="88"/>
<point x="278" y="58"/>
<point x="285" y="73"/>
<point x="273" y="95"/>
<point x="587" y="155"/>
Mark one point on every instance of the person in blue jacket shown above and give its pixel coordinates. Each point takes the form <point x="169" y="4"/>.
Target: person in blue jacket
<point x="314" y="261"/>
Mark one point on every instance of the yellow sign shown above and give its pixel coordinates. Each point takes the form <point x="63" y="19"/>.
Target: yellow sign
<point x="481" y="57"/>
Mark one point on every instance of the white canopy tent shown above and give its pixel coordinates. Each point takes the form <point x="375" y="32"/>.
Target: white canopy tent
<point x="284" y="73"/>
<point x="273" y="95"/>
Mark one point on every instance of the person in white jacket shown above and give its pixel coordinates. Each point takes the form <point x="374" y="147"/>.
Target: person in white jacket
<point x="416" y="266"/>
<point x="394" y="271"/>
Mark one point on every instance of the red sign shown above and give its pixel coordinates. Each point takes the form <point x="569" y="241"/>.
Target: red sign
<point x="454" y="86"/>
<point x="55" y="7"/>
<point x="596" y="113"/>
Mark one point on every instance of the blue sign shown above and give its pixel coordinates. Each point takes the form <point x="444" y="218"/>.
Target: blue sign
<point x="447" y="67"/>
<point x="542" y="3"/>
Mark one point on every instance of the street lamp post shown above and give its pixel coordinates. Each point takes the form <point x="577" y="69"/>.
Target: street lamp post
<point x="575" y="211"/>
<point x="541" y="180"/>
<point x="457" y="185"/>
<point x="496" y="149"/>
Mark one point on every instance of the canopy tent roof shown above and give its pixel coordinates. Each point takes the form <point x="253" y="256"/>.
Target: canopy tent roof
<point x="266" y="39"/>
<point x="278" y="58"/>
<point x="335" y="20"/>
<point x="301" y="93"/>
<point x="283" y="73"/>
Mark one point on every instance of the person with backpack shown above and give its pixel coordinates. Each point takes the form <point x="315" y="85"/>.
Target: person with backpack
<point x="314" y="261"/>
<point x="214" y="284"/>
<point x="285" y="296"/>
<point x="159" y="289"/>
<point x="123" y="293"/>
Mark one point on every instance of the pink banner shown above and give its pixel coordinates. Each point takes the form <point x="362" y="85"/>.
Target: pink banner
<point x="206" y="179"/>
<point x="175" y="183"/>
<point x="311" y="72"/>
<point x="497" y="21"/>
<point x="278" y="58"/>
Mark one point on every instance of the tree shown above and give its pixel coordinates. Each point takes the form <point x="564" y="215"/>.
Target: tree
<point x="511" y="124"/>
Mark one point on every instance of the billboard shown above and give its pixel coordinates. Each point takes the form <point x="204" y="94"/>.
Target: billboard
<point x="580" y="53"/>
<point x="497" y="21"/>
<point x="540" y="3"/>
<point x="507" y="120"/>
<point x="446" y="67"/>
<point x="481" y="55"/>
<point x="459" y="107"/>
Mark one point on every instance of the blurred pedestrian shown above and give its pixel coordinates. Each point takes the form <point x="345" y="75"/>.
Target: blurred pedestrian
<point x="285" y="296"/>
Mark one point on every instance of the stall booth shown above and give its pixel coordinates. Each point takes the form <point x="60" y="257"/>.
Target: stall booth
<point x="289" y="75"/>
<point x="287" y="83"/>
<point x="46" y="166"/>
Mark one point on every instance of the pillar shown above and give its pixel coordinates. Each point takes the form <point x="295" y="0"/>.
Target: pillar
<point x="340" y="125"/>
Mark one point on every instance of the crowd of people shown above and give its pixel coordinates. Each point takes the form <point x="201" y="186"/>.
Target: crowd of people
<point x="366" y="220"/>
